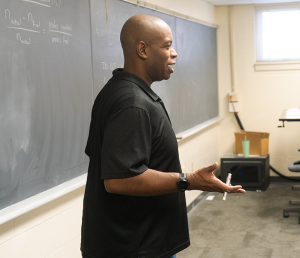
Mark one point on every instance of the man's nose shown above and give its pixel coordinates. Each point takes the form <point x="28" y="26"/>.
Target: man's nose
<point x="173" y="53"/>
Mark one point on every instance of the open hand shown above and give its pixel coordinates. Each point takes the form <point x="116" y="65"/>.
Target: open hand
<point x="204" y="179"/>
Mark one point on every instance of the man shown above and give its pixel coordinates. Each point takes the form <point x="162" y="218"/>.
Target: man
<point x="134" y="204"/>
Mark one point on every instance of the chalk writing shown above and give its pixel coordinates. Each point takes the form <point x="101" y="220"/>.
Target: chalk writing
<point x="23" y="41"/>
<point x="7" y="14"/>
<point x="110" y="66"/>
<point x="53" y="25"/>
<point x="58" y="40"/>
<point x="65" y="40"/>
<point x="12" y="21"/>
<point x="18" y="28"/>
<point x="66" y="27"/>
<point x="60" y="32"/>
<point x="29" y="23"/>
<point x="46" y="3"/>
<point x="110" y="36"/>
<point x="104" y="66"/>
<point x="113" y="16"/>
<point x="32" y="21"/>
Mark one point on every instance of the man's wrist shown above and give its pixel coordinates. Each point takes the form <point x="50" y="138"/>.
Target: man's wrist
<point x="190" y="178"/>
<point x="182" y="184"/>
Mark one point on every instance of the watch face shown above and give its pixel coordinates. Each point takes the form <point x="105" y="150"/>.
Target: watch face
<point x="183" y="184"/>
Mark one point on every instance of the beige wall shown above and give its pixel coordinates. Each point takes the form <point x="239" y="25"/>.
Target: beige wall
<point x="196" y="8"/>
<point x="263" y="95"/>
<point x="53" y="230"/>
<point x="199" y="150"/>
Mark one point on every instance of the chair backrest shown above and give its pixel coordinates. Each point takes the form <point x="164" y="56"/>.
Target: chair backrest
<point x="295" y="166"/>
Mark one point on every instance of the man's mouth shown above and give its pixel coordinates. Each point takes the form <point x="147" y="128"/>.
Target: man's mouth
<point x="171" y="67"/>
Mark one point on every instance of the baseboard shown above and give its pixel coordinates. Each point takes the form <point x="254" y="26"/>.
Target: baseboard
<point x="196" y="201"/>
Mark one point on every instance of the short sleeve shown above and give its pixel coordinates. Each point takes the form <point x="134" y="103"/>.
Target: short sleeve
<point x="126" y="146"/>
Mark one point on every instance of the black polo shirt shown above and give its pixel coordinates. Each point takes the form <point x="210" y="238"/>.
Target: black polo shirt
<point x="130" y="132"/>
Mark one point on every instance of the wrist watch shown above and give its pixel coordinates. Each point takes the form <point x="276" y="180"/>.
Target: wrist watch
<point x="183" y="183"/>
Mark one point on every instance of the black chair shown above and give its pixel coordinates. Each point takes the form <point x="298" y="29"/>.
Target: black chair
<point x="294" y="167"/>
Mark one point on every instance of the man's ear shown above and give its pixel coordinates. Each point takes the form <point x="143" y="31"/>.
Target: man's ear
<point x="142" y="50"/>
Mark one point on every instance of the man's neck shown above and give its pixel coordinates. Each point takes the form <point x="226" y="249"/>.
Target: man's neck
<point x="139" y="73"/>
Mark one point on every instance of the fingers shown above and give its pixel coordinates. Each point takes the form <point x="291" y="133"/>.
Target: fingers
<point x="238" y="191"/>
<point x="229" y="189"/>
<point x="235" y="189"/>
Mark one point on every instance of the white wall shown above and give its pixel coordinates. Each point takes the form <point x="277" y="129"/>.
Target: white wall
<point x="263" y="95"/>
<point x="53" y="230"/>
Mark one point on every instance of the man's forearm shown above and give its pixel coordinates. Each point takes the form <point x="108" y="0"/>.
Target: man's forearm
<point x="149" y="183"/>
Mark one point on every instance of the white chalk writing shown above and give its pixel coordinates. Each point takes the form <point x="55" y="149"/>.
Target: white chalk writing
<point x="53" y="25"/>
<point x="56" y="39"/>
<point x="23" y="41"/>
<point x="30" y="22"/>
<point x="110" y="66"/>
<point x="110" y="36"/>
<point x="59" y="40"/>
<point x="46" y="3"/>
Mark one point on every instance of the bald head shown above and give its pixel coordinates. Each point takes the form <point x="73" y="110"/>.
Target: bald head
<point x="141" y="27"/>
<point x="147" y="47"/>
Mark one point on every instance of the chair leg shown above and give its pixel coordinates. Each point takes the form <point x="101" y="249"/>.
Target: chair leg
<point x="295" y="202"/>
<point x="286" y="212"/>
<point x="296" y="187"/>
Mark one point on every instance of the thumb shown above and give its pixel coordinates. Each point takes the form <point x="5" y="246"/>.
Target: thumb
<point x="212" y="167"/>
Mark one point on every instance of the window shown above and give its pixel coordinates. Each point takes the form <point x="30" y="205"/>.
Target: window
<point x="278" y="34"/>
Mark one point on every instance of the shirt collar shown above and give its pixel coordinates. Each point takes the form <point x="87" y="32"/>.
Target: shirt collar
<point x="119" y="73"/>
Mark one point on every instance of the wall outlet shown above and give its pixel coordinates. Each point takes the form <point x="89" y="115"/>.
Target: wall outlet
<point x="235" y="100"/>
<point x="236" y="106"/>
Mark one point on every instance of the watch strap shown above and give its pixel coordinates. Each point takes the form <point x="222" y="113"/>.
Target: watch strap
<point x="182" y="176"/>
<point x="182" y="183"/>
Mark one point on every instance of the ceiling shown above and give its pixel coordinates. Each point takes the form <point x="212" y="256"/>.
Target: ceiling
<point x="233" y="2"/>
